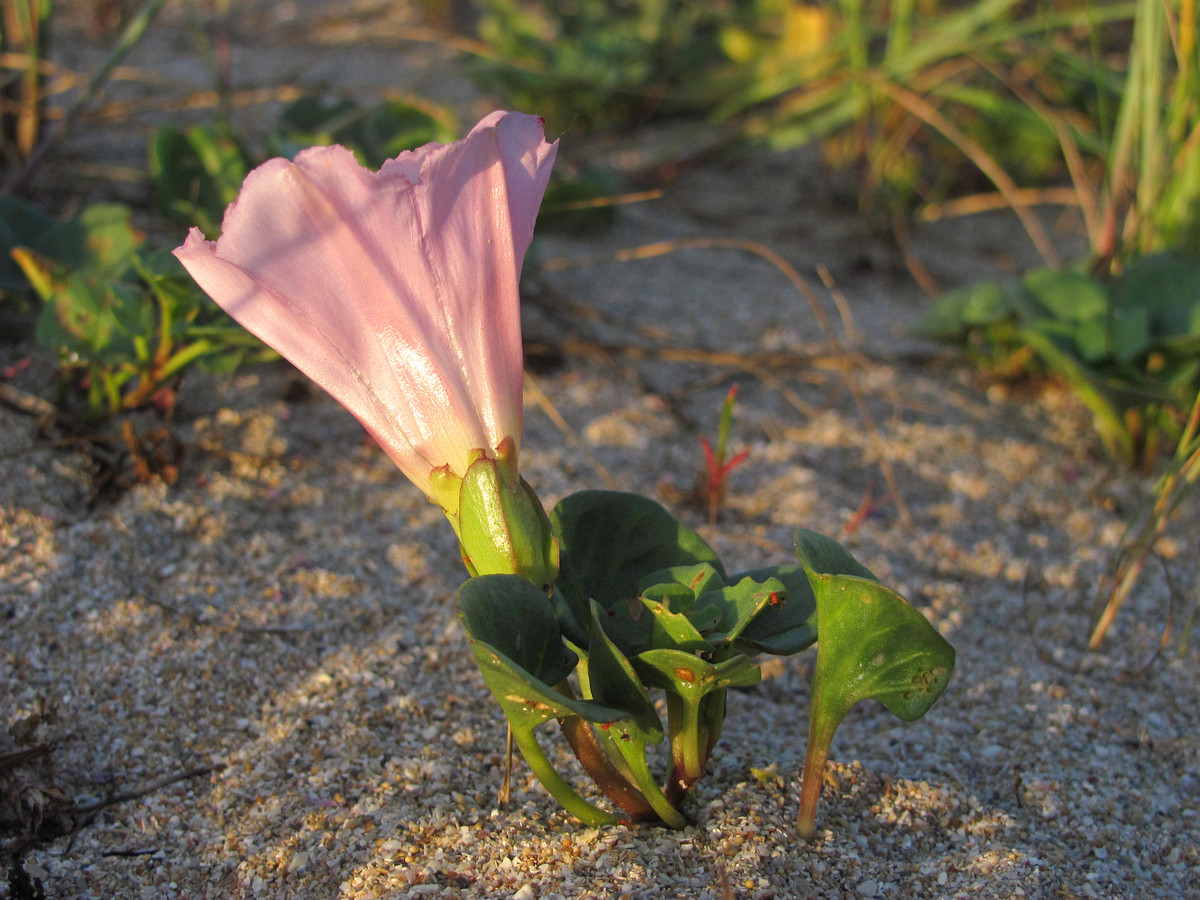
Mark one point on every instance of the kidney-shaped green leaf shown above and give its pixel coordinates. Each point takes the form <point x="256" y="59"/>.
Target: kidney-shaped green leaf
<point x="874" y="645"/>
<point x="825" y="555"/>
<point x="514" y="617"/>
<point x="608" y="542"/>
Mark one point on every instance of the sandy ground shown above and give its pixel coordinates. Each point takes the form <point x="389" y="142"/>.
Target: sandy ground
<point x="280" y="621"/>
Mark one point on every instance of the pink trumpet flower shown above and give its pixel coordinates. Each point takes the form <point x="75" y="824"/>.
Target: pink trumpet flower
<point x="396" y="290"/>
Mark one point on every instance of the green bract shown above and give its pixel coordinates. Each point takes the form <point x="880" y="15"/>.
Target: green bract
<point x="501" y="524"/>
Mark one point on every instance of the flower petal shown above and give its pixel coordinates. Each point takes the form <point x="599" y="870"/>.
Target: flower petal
<point x="395" y="291"/>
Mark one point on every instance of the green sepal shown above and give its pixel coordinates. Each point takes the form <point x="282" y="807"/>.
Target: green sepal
<point x="609" y="542"/>
<point x="500" y="522"/>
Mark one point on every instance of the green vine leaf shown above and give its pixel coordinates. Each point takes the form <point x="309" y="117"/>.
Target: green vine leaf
<point x="613" y="682"/>
<point x="738" y="605"/>
<point x="692" y="678"/>
<point x="608" y="677"/>
<point x="787" y="626"/>
<point x="513" y="616"/>
<point x="520" y="652"/>
<point x="819" y="553"/>
<point x="679" y="586"/>
<point x="609" y="542"/>
<point x="873" y="645"/>
<point x="675" y="631"/>
<point x="515" y="639"/>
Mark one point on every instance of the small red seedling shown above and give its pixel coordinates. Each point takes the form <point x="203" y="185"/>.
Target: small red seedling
<point x="716" y="468"/>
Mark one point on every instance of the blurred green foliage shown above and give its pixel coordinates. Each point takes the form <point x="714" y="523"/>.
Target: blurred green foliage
<point x="375" y="133"/>
<point x="603" y="63"/>
<point x="197" y="173"/>
<point x="1130" y="348"/>
<point x="122" y="321"/>
<point x="911" y="97"/>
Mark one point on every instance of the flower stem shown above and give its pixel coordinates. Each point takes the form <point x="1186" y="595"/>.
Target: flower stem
<point x="566" y="795"/>
<point x="683" y="717"/>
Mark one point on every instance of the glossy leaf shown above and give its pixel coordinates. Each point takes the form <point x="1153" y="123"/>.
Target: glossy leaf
<point x="681" y="582"/>
<point x="520" y="619"/>
<point x="609" y="542"/>
<point x="688" y="676"/>
<point x="607" y="676"/>
<point x="873" y="645"/>
<point x="613" y="682"/>
<point x="822" y="554"/>
<point x="787" y="626"/>
<point x="675" y="631"/>
<point x="515" y="618"/>
<point x="739" y="604"/>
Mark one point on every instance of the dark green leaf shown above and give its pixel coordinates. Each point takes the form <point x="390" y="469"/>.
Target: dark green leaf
<point x="1069" y="296"/>
<point x="612" y="682"/>
<point x="679" y="586"/>
<point x="609" y="542"/>
<point x="1167" y="286"/>
<point x="675" y="630"/>
<point x="691" y="677"/>
<point x="787" y="626"/>
<point x="515" y="618"/>
<point x="738" y="604"/>
<point x="374" y="134"/>
<point x="825" y="555"/>
<point x="874" y="645"/>
<point x="197" y="173"/>
<point x="955" y="314"/>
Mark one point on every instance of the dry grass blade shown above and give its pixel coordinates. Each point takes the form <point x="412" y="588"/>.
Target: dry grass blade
<point x="132" y="34"/>
<point x="990" y="202"/>
<point x="932" y="116"/>
<point x="1139" y="541"/>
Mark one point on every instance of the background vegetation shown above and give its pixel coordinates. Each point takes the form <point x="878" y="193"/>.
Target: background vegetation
<point x="922" y="103"/>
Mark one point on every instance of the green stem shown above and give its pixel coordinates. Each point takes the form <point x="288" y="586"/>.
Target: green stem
<point x="652" y="792"/>
<point x="820" y="737"/>
<point x="683" y="720"/>
<point x="601" y="770"/>
<point x="566" y="795"/>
